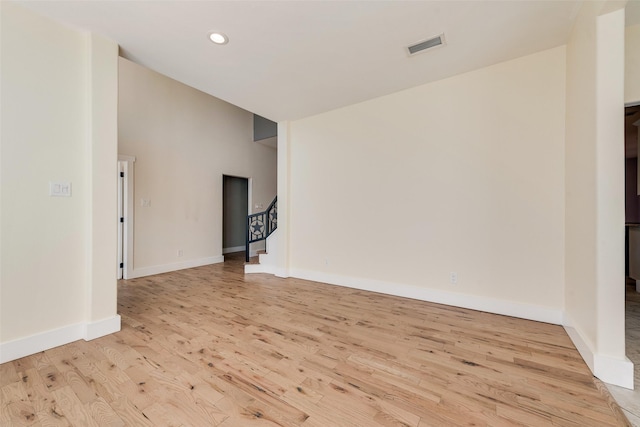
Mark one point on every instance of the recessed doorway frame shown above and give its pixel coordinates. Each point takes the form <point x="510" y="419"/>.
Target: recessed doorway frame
<point x="125" y="199"/>
<point x="249" y="204"/>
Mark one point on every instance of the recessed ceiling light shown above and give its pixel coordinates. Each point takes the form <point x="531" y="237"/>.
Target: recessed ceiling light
<point x="218" y="38"/>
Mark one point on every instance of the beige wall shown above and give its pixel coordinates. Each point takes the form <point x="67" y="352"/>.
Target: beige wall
<point x="56" y="285"/>
<point x="581" y="283"/>
<point x="462" y="175"/>
<point x="632" y="65"/>
<point x="184" y="141"/>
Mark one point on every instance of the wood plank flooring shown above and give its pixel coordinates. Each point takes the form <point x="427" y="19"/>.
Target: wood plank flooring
<point x="211" y="347"/>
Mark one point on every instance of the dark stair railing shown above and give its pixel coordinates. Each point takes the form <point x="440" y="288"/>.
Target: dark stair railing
<point x="261" y="225"/>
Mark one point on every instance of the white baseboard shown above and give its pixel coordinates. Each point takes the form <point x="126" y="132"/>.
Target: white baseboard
<point x="474" y="302"/>
<point x="102" y="327"/>
<point x="36" y="343"/>
<point x="612" y="370"/>
<point x="21" y="347"/>
<point x="233" y="249"/>
<point x="166" y="268"/>
<point x="584" y="348"/>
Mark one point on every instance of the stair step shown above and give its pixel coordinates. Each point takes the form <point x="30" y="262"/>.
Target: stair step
<point x="253" y="260"/>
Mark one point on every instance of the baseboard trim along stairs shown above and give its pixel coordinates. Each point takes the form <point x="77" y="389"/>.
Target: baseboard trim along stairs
<point x="267" y="260"/>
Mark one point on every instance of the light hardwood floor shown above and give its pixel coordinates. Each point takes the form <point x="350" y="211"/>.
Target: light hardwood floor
<point x="211" y="347"/>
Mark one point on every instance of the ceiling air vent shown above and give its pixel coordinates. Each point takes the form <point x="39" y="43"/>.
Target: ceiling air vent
<point x="427" y="44"/>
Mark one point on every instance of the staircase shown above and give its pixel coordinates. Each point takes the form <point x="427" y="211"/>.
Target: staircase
<point x="263" y="226"/>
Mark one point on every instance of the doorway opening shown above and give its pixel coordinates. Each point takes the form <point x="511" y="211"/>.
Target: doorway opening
<point x="632" y="226"/>
<point x="235" y="208"/>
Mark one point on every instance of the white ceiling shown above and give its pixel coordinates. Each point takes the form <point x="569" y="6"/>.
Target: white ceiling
<point x="291" y="59"/>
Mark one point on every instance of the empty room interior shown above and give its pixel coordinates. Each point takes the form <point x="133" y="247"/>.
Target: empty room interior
<point x="319" y="213"/>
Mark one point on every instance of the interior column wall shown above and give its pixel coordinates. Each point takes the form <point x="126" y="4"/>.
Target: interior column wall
<point x="102" y="179"/>
<point x="594" y="205"/>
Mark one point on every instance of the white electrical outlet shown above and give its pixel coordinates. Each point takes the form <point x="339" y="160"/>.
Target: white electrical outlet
<point x="453" y="277"/>
<point x="179" y="252"/>
<point x="59" y="189"/>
